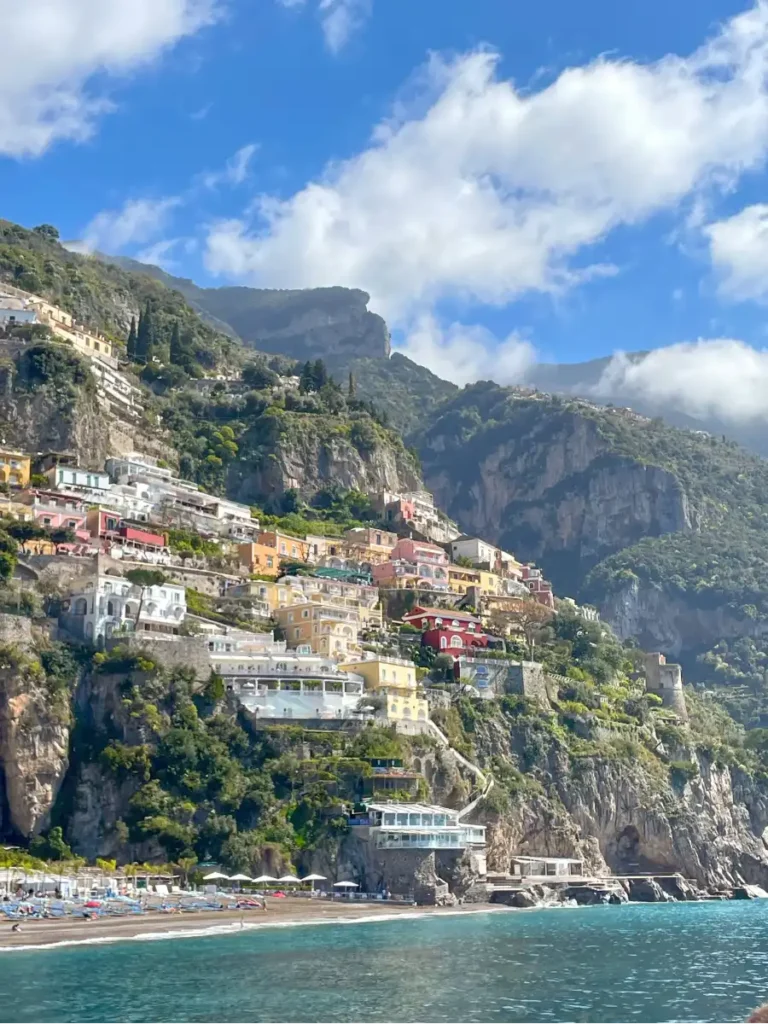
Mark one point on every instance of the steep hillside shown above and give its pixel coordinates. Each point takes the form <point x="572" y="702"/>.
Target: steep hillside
<point x="406" y="393"/>
<point x="586" y="380"/>
<point x="666" y="529"/>
<point x="308" y="323"/>
<point x="271" y="440"/>
<point x="104" y="296"/>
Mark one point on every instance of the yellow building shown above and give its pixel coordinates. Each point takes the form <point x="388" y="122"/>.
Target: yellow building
<point x="324" y="628"/>
<point x="460" y="579"/>
<point x="63" y="325"/>
<point x="381" y="672"/>
<point x="491" y="585"/>
<point x="394" y="679"/>
<point x="15" y="468"/>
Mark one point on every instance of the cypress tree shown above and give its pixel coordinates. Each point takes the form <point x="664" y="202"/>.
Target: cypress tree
<point x="130" y="345"/>
<point x="307" y="379"/>
<point x="175" y="350"/>
<point x="145" y="335"/>
<point x="319" y="374"/>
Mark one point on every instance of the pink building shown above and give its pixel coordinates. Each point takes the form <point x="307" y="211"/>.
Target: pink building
<point x="57" y="511"/>
<point x="413" y="563"/>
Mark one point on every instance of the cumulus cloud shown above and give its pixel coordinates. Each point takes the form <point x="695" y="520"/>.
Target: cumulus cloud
<point x="721" y="377"/>
<point x="487" y="191"/>
<point x="738" y="248"/>
<point x="136" y="222"/>
<point x="465" y="353"/>
<point x="339" y="19"/>
<point x="235" y="171"/>
<point x="54" y="49"/>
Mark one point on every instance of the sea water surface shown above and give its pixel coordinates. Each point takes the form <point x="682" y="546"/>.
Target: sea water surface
<point x="667" y="962"/>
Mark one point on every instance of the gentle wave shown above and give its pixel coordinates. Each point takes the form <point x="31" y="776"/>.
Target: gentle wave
<point x="234" y="927"/>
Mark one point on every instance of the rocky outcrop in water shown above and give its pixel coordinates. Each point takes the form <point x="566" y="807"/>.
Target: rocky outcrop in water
<point x="625" y="816"/>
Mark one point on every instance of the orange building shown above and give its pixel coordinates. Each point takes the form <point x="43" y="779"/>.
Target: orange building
<point x="260" y="559"/>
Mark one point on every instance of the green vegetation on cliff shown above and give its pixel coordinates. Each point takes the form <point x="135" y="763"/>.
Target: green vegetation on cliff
<point x="105" y="297"/>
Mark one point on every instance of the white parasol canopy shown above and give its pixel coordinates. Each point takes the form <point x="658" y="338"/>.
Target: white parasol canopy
<point x="290" y="879"/>
<point x="345" y="885"/>
<point x="214" y="875"/>
<point x="265" y="878"/>
<point x="313" y="878"/>
<point x="240" y="878"/>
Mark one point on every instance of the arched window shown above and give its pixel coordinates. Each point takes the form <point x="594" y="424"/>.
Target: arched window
<point x="110" y="608"/>
<point x="456" y="641"/>
<point x="81" y="606"/>
<point x="443" y="641"/>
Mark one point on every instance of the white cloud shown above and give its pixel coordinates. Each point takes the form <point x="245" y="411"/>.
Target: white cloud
<point x="721" y="377"/>
<point x="235" y="170"/>
<point x="136" y="222"/>
<point x="463" y="353"/>
<point x="339" y="19"/>
<point x="738" y="248"/>
<point x="158" y="254"/>
<point x="483" y="191"/>
<point x="53" y="50"/>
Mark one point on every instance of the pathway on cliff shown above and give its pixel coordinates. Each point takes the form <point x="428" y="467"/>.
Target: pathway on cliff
<point x="485" y="780"/>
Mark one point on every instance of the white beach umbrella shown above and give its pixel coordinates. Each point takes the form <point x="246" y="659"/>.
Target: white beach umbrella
<point x="312" y="879"/>
<point x="265" y="878"/>
<point x="345" y="885"/>
<point x="240" y="878"/>
<point x="214" y="876"/>
<point x="290" y="879"/>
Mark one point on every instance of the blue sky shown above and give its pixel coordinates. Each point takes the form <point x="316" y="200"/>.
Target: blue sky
<point x="509" y="181"/>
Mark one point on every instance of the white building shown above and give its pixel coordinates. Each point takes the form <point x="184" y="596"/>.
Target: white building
<point x="128" y="468"/>
<point x="73" y="480"/>
<point x="102" y="606"/>
<point x="273" y="682"/>
<point x="399" y="826"/>
<point x="181" y="503"/>
<point x="480" y="552"/>
<point x="115" y="392"/>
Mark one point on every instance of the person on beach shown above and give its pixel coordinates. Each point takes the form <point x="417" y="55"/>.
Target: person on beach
<point x="16" y="927"/>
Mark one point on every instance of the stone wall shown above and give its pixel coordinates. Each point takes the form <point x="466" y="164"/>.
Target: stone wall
<point x="179" y="652"/>
<point x="666" y="681"/>
<point x="529" y="679"/>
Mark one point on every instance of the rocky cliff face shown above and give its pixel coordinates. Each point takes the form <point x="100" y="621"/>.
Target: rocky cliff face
<point x="307" y="323"/>
<point x="625" y="816"/>
<point x="660" y="618"/>
<point x="34" y="734"/>
<point x="310" y="459"/>
<point x="553" y="491"/>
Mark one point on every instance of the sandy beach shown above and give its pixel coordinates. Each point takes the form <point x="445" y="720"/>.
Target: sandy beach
<point x="279" y="912"/>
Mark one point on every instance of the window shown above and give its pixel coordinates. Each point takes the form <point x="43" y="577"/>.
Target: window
<point x="294" y="552"/>
<point x="456" y="641"/>
<point x="378" y="538"/>
<point x="443" y="641"/>
<point x="296" y="633"/>
<point x="270" y="562"/>
<point x="305" y="614"/>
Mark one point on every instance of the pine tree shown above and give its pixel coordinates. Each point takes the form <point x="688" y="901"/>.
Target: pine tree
<point x="130" y="345"/>
<point x="307" y="379"/>
<point x="175" y="352"/>
<point x="319" y="374"/>
<point x="145" y="335"/>
<point x="351" y="387"/>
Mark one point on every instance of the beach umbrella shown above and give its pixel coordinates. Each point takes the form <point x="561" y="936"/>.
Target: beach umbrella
<point x="290" y="880"/>
<point x="240" y="878"/>
<point x="312" y="879"/>
<point x="345" y="885"/>
<point x="214" y="876"/>
<point x="264" y="878"/>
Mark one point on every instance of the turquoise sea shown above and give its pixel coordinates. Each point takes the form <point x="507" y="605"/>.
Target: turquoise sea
<point x="669" y="962"/>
